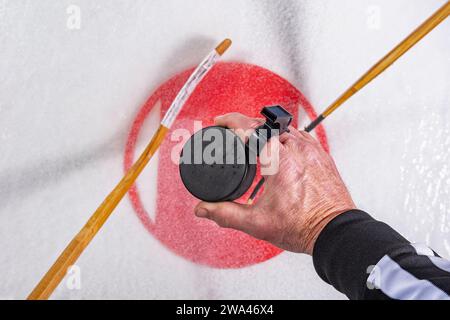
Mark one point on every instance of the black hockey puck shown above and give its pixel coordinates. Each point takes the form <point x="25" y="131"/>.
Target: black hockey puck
<point x="215" y="165"/>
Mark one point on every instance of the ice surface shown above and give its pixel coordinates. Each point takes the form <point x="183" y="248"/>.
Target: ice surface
<point x="68" y="98"/>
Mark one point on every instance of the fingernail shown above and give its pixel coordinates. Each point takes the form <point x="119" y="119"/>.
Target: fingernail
<point x="255" y="124"/>
<point x="201" y="212"/>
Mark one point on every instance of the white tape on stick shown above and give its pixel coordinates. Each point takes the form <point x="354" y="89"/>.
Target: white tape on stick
<point x="189" y="87"/>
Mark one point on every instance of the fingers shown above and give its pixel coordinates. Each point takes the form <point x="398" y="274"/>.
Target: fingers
<point x="237" y="120"/>
<point x="297" y="139"/>
<point x="271" y="155"/>
<point x="286" y="136"/>
<point x="242" y="124"/>
<point x="226" y="214"/>
<point x="301" y="134"/>
<point x="294" y="144"/>
<point x="280" y="148"/>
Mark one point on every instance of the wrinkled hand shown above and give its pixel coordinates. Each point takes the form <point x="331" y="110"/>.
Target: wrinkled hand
<point x="298" y="201"/>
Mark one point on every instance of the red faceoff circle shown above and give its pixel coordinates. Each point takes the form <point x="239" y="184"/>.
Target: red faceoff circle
<point x="229" y="87"/>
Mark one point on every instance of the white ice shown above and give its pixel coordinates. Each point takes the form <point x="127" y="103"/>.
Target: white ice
<point x="68" y="98"/>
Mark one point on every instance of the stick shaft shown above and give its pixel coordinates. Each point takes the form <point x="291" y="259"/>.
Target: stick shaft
<point x="439" y="16"/>
<point x="56" y="273"/>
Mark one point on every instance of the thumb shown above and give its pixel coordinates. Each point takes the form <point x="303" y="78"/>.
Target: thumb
<point x="226" y="214"/>
<point x="242" y="125"/>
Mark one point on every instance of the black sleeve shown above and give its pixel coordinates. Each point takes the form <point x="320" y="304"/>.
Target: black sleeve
<point x="366" y="259"/>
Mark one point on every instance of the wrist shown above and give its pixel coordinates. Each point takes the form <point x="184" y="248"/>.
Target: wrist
<point x="317" y="226"/>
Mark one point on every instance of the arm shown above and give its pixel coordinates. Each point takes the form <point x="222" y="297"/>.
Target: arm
<point x="306" y="208"/>
<point x="366" y="259"/>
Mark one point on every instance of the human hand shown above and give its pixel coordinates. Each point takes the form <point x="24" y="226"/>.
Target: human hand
<point x="298" y="201"/>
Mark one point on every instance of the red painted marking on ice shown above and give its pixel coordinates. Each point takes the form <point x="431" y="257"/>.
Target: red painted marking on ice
<point x="229" y="87"/>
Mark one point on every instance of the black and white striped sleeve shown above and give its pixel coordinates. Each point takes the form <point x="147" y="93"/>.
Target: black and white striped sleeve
<point x="366" y="259"/>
